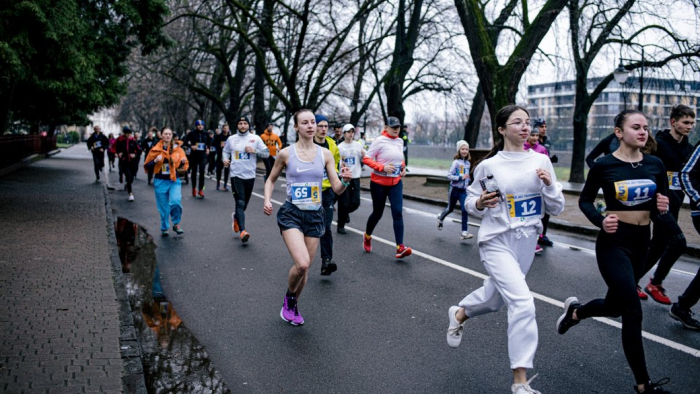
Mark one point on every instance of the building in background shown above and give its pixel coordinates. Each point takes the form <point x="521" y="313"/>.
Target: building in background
<point x="555" y="102"/>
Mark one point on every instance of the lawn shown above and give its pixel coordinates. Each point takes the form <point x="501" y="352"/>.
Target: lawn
<point x="441" y="164"/>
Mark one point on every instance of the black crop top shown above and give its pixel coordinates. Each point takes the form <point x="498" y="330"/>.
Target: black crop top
<point x="624" y="188"/>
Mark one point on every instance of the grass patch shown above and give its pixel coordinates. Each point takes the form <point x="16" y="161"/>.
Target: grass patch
<point x="438" y="164"/>
<point x="63" y="145"/>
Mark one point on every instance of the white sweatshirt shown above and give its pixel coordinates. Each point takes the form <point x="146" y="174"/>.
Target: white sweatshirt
<point x="526" y="198"/>
<point x="243" y="164"/>
<point x="351" y="154"/>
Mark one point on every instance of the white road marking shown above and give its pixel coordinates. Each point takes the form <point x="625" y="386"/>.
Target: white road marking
<point x="652" y="337"/>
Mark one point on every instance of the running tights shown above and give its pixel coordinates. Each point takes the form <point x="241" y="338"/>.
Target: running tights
<point x="219" y="168"/>
<point x="379" y="195"/>
<point x="242" y="189"/>
<point x="327" y="199"/>
<point x="98" y="160"/>
<point x="621" y="258"/>
<point x="348" y="202"/>
<point x="667" y="244"/>
<point x="197" y="164"/>
<point x="460" y="195"/>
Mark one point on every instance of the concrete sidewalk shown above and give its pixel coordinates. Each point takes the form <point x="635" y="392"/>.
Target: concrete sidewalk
<point x="60" y="324"/>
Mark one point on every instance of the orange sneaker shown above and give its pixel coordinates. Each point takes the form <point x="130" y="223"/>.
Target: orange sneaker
<point x="403" y="251"/>
<point x="367" y="243"/>
<point x="201" y="194"/>
<point x="234" y="223"/>
<point x="244" y="236"/>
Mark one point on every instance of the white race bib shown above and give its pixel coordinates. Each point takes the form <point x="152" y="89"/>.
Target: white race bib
<point x="674" y="180"/>
<point x="634" y="191"/>
<point x="522" y="206"/>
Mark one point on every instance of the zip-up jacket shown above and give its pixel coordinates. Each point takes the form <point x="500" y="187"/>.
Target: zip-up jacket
<point x="385" y="150"/>
<point x="98" y="142"/>
<point x="173" y="157"/>
<point x="199" y="139"/>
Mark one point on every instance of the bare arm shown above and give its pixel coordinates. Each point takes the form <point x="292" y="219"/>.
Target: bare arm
<point x="280" y="163"/>
<point x="345" y="173"/>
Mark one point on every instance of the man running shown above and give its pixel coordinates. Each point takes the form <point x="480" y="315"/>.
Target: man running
<point x="240" y="153"/>
<point x="322" y="139"/>
<point x="219" y="142"/>
<point x="97" y="144"/>
<point x="274" y="144"/>
<point x="667" y="245"/>
<point x="146" y="145"/>
<point x="198" y="141"/>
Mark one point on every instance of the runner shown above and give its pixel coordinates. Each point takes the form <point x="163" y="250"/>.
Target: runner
<point x="301" y="218"/>
<point x="240" y="153"/>
<point x="164" y="159"/>
<point x="459" y="180"/>
<point x="112" y="151"/>
<point x="690" y="181"/>
<point x="273" y="143"/>
<point x="127" y="151"/>
<point x="97" y="144"/>
<point x="634" y="186"/>
<point x="198" y="141"/>
<point x="147" y="144"/>
<point x="533" y="142"/>
<point x="541" y="125"/>
<point x="211" y="156"/>
<point x="605" y="147"/>
<point x="668" y="244"/>
<point x="322" y="139"/>
<point x="338" y="136"/>
<point x="517" y="187"/>
<point x="385" y="157"/>
<point x="351" y="154"/>
<point x="219" y="142"/>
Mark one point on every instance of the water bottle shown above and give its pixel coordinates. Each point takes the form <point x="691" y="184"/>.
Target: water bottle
<point x="490" y="185"/>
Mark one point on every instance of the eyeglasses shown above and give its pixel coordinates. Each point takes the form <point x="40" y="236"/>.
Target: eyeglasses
<point x="520" y="125"/>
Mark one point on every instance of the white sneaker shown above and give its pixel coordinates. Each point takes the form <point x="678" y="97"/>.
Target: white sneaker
<point x="524" y="388"/>
<point x="454" y="331"/>
<point x="131" y="198"/>
<point x="466" y="235"/>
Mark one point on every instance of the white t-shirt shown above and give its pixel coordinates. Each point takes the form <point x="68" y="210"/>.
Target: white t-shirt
<point x="242" y="163"/>
<point x="351" y="155"/>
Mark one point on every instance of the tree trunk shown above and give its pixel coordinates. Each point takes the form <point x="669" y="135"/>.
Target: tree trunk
<point x="259" y="114"/>
<point x="471" y="129"/>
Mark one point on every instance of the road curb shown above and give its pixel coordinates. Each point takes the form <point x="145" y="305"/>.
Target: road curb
<point x="691" y="250"/>
<point x="133" y="380"/>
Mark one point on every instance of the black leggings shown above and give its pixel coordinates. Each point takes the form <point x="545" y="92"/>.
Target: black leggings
<point x="269" y="163"/>
<point x="348" y="202"/>
<point x="667" y="243"/>
<point x="242" y="189"/>
<point x="379" y="195"/>
<point x="621" y="258"/>
<point x="98" y="159"/>
<point x="197" y="164"/>
<point x="128" y="168"/>
<point x="219" y="168"/>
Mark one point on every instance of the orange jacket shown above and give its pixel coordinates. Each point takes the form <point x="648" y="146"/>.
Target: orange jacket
<point x="175" y="157"/>
<point x="271" y="140"/>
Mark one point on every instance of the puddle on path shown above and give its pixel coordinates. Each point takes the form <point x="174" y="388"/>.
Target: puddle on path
<point x="173" y="359"/>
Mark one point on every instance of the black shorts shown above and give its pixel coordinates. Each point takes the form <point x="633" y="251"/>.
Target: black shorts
<point x="310" y="223"/>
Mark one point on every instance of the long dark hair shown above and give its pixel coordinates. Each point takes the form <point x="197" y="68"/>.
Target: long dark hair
<point x="620" y="121"/>
<point x="501" y="118"/>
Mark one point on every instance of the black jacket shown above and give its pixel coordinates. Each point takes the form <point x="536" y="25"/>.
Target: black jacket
<point x="99" y="142"/>
<point x="196" y="137"/>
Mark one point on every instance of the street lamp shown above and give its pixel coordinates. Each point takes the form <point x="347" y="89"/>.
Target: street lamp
<point x="620" y="75"/>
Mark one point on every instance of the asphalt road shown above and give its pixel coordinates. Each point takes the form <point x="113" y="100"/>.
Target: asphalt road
<point x="378" y="324"/>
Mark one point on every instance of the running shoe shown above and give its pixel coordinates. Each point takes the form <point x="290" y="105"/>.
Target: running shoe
<point x="244" y="236"/>
<point x="222" y="189"/>
<point x="131" y="198"/>
<point x="685" y="316"/>
<point x="194" y="192"/>
<point x="403" y="251"/>
<point x="201" y="194"/>
<point x="642" y="295"/>
<point x="566" y="320"/>
<point x="367" y="243"/>
<point x="524" y="388"/>
<point x="178" y="229"/>
<point x="654" y="387"/>
<point x="328" y="267"/>
<point x="467" y="235"/>
<point x="341" y="230"/>
<point x="439" y="222"/>
<point x="164" y="233"/>
<point x="544" y="241"/>
<point x="290" y="312"/>
<point x="657" y="293"/>
<point x="454" y="330"/>
<point x="538" y="250"/>
<point x="234" y="223"/>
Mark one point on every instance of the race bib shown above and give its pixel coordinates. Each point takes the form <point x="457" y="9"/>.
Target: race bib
<point x="462" y="170"/>
<point x="201" y="146"/>
<point x="349" y="160"/>
<point x="634" y="191"/>
<point x="165" y="169"/>
<point x="521" y="206"/>
<point x="150" y="143"/>
<point x="306" y="193"/>
<point x="396" y="172"/>
<point x="674" y="180"/>
<point x="241" y="155"/>
<point x="98" y="144"/>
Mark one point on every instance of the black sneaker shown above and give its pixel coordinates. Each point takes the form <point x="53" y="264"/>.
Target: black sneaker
<point x="651" y="387"/>
<point x="566" y="320"/>
<point x="328" y="267"/>
<point x="341" y="230"/>
<point x="544" y="241"/>
<point x="684" y="316"/>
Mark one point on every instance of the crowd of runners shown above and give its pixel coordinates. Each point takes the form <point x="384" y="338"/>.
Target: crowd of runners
<point x="513" y="190"/>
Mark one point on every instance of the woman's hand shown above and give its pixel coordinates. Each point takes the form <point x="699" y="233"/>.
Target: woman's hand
<point x="158" y="158"/>
<point x="267" y="208"/>
<point x="545" y="176"/>
<point x="183" y="161"/>
<point x="662" y="203"/>
<point x="465" y="177"/>
<point x="610" y="224"/>
<point x="389" y="168"/>
<point x="487" y="200"/>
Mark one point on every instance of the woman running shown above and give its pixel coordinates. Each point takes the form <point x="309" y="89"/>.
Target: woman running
<point x="351" y="153"/>
<point x="164" y="159"/>
<point x="634" y="186"/>
<point x="385" y="157"/>
<point x="112" y="151"/>
<point x="459" y="179"/>
<point x="513" y="189"/>
<point x="301" y="218"/>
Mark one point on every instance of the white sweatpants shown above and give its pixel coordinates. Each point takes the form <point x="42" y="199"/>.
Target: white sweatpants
<point x="508" y="258"/>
